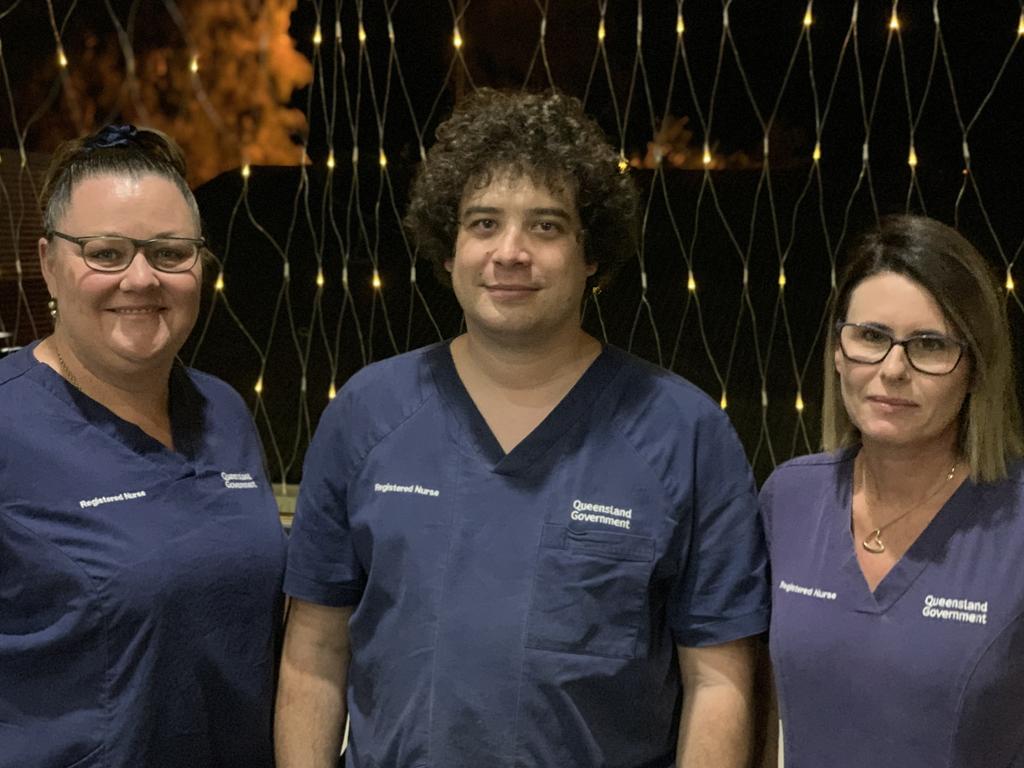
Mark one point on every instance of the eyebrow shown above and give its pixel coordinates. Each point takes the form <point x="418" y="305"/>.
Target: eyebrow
<point x="560" y="213"/>
<point x="917" y="332"/>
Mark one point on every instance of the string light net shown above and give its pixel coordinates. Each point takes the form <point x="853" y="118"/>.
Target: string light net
<point x="763" y="136"/>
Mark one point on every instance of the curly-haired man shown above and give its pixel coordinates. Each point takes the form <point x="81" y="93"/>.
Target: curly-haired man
<point x="522" y="547"/>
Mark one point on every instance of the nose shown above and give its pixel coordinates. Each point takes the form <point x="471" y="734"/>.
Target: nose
<point x="139" y="274"/>
<point x="896" y="365"/>
<point x="511" y="248"/>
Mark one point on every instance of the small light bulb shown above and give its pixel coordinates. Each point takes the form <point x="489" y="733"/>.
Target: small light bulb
<point x="62" y="59"/>
<point x="623" y="163"/>
<point x="376" y="280"/>
<point x="362" y="33"/>
<point x="691" y="283"/>
<point x="723" y="403"/>
<point x="894" y="21"/>
<point x="246" y="171"/>
<point x="600" y="32"/>
<point x="332" y="392"/>
<point x="808" y="18"/>
<point x="193" y="66"/>
<point x="383" y="159"/>
<point x="816" y="155"/>
<point x="1020" y="25"/>
<point x="912" y="157"/>
<point x="782" y="277"/>
<point x="457" y="39"/>
<point x="319" y="278"/>
<point x="259" y="385"/>
<point x="680" y="26"/>
<point x="707" y="156"/>
<point x="1009" y="280"/>
<point x="391" y="32"/>
<point x="219" y="285"/>
<point x="799" y="403"/>
<point x="330" y="160"/>
<point x="317" y="36"/>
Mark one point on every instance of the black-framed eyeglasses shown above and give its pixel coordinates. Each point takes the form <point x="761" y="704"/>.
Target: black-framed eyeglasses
<point x="113" y="253"/>
<point x="931" y="353"/>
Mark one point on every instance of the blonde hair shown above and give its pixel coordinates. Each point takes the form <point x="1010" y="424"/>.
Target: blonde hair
<point x="941" y="261"/>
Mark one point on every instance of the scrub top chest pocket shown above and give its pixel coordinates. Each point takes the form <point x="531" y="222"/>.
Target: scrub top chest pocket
<point x="589" y="592"/>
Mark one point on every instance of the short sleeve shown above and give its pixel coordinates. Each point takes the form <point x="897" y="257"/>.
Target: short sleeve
<point x="322" y="563"/>
<point x="721" y="590"/>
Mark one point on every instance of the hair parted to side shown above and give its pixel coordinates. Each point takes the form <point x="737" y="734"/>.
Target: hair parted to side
<point x="119" y="150"/>
<point x="948" y="267"/>
<point x="546" y="137"/>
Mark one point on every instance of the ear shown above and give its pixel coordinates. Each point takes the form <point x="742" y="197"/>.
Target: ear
<point x="837" y="359"/>
<point x="46" y="265"/>
<point x="590" y="269"/>
<point x="448" y="263"/>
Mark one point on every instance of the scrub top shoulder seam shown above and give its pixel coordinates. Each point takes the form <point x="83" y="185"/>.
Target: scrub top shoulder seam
<point x="377" y="440"/>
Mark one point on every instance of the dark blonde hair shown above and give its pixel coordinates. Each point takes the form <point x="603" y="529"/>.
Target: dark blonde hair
<point x="120" y="150"/>
<point x="546" y="137"/>
<point x="951" y="270"/>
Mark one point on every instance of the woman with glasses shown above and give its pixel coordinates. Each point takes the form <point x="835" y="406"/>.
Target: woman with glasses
<point x="897" y="557"/>
<point x="141" y="554"/>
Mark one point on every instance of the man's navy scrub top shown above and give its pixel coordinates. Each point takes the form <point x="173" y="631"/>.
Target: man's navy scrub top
<point x="524" y="609"/>
<point x="139" y="587"/>
<point x="927" y="671"/>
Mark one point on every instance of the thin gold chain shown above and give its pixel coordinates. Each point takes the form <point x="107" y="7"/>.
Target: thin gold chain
<point x="64" y="370"/>
<point x="873" y="541"/>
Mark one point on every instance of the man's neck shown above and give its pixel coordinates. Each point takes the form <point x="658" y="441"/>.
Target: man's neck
<point x="524" y="367"/>
<point x="516" y="387"/>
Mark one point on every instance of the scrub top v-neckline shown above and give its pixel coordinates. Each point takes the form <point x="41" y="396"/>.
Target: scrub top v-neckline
<point x="480" y="439"/>
<point x="925" y="550"/>
<point x="97" y="416"/>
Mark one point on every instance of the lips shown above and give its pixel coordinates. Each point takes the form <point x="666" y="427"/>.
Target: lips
<point x="148" y="309"/>
<point x="892" y="402"/>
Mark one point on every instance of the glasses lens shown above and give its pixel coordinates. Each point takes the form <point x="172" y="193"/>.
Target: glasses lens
<point x="864" y="344"/>
<point x="933" y="354"/>
<point x="172" y="255"/>
<point x="108" y="254"/>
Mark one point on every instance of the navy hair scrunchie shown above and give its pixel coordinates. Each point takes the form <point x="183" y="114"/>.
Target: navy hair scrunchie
<point x="113" y="136"/>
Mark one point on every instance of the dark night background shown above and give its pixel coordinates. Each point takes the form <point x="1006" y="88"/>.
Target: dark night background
<point x="740" y="212"/>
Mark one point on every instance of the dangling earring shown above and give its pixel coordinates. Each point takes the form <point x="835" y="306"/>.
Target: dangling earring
<point x="52" y="306"/>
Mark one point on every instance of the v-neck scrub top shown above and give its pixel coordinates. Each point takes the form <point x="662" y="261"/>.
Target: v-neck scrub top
<point x="524" y="609"/>
<point x="139" y="587"/>
<point x="927" y="671"/>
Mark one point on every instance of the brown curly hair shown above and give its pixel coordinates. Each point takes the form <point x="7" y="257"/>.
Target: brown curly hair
<point x="544" y="136"/>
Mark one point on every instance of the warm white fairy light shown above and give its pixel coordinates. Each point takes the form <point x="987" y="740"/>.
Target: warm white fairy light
<point x="219" y="285"/>
<point x="691" y="282"/>
<point x="808" y="18"/>
<point x="246" y="171"/>
<point x="193" y="65"/>
<point x="680" y="26"/>
<point x="799" y="402"/>
<point x="601" y="32"/>
<point x="724" y="402"/>
<point x="62" y="58"/>
<point x="330" y="160"/>
<point x="894" y="21"/>
<point x="332" y="392"/>
<point x="457" y="39"/>
<point x="912" y="157"/>
<point x="258" y="389"/>
<point x="816" y="155"/>
<point x="317" y="36"/>
<point x="376" y="282"/>
<point x="362" y="34"/>
<point x="383" y="159"/>
<point x="706" y="159"/>
<point x="320" y="278"/>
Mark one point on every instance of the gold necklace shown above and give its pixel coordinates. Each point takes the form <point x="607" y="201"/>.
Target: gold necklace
<point x="64" y="370"/>
<point x="873" y="541"/>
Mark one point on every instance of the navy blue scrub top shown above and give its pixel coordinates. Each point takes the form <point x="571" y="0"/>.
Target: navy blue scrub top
<point x="925" y="671"/>
<point x="139" y="587"/>
<point x="524" y="609"/>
